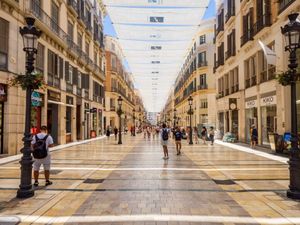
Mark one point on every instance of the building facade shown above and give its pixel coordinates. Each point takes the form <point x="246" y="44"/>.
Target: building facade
<point x="71" y="59"/>
<point x="118" y="83"/>
<point x="196" y="79"/>
<point x="248" y="93"/>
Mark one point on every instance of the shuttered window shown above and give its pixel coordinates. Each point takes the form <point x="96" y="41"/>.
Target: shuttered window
<point x="40" y="58"/>
<point x="4" y="31"/>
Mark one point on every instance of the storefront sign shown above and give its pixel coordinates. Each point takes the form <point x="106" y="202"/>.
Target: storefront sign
<point x="270" y="100"/>
<point x="36" y="99"/>
<point x="53" y="96"/>
<point x="251" y="104"/>
<point x="3" y="92"/>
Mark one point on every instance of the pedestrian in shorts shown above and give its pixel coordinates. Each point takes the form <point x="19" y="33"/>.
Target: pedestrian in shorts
<point x="46" y="162"/>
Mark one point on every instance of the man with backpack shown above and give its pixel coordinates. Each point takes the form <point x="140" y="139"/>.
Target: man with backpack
<point x="178" y="137"/>
<point x="40" y="146"/>
<point x="164" y="140"/>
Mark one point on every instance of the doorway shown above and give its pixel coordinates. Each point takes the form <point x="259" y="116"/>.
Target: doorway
<point x="52" y="121"/>
<point x="78" y="122"/>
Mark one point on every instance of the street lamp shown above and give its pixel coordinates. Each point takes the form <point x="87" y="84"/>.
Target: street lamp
<point x="291" y="32"/>
<point x="30" y="34"/>
<point x="174" y="118"/>
<point x="190" y="112"/>
<point x="119" y="112"/>
<point x="133" y="122"/>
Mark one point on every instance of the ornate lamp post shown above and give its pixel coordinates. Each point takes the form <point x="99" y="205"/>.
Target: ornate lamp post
<point x="120" y="112"/>
<point x="133" y="122"/>
<point x="30" y="34"/>
<point x="291" y="32"/>
<point x="174" y="118"/>
<point x="190" y="112"/>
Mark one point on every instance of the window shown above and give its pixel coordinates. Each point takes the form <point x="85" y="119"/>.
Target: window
<point x="156" y="19"/>
<point x="226" y="84"/>
<point x="87" y="48"/>
<point x="71" y="30"/>
<point x="54" y="17"/>
<point x="3" y="43"/>
<point x="250" y="72"/>
<point x="230" y="44"/>
<point x="53" y="69"/>
<point x="36" y="7"/>
<point x="203" y="118"/>
<point x="283" y="4"/>
<point x="79" y="40"/>
<point x="201" y="59"/>
<point x="40" y="58"/>
<point x="202" y="79"/>
<point x="95" y="57"/>
<point x="68" y="119"/>
<point x="113" y="62"/>
<point x="202" y="39"/>
<point x="203" y="104"/>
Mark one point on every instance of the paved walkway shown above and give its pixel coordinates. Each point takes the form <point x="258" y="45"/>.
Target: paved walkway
<point x="101" y="182"/>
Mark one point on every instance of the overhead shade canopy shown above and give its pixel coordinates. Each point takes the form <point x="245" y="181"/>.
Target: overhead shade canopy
<point x="155" y="36"/>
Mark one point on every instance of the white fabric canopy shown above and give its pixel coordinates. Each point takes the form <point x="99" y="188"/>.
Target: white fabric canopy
<point x="155" y="36"/>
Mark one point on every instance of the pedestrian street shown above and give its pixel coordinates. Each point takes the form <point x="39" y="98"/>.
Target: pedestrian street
<point x="101" y="182"/>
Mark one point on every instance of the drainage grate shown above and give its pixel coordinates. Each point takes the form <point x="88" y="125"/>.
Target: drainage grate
<point x="93" y="181"/>
<point x="224" y="182"/>
<point x="53" y="172"/>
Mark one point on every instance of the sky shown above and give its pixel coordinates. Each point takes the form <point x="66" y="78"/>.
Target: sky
<point x="109" y="29"/>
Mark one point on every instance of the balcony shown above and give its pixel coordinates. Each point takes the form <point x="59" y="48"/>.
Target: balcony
<point x="247" y="83"/>
<point x="202" y="64"/>
<point x="202" y="87"/>
<point x="72" y="4"/>
<point x="234" y="88"/>
<point x="262" y="22"/>
<point x="230" y="14"/>
<point x="53" y="81"/>
<point x="226" y="91"/>
<point x="86" y="94"/>
<point x="248" y="36"/>
<point x="283" y="4"/>
<point x="69" y="88"/>
<point x="267" y="75"/>
<point x="219" y="29"/>
<point x="229" y="53"/>
<point x="79" y="92"/>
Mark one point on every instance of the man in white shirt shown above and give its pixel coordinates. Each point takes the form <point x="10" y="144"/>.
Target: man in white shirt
<point x="45" y="161"/>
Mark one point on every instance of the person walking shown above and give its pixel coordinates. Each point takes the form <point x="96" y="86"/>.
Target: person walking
<point x="116" y="132"/>
<point x="40" y="146"/>
<point x="108" y="132"/>
<point x="254" y="136"/>
<point x="204" y="134"/>
<point x="178" y="138"/>
<point x="211" y="135"/>
<point x="165" y="140"/>
<point x="195" y="134"/>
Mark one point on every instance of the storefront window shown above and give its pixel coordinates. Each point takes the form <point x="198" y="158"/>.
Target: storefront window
<point x="251" y="119"/>
<point x="235" y="122"/>
<point x="221" y="123"/>
<point x="95" y="121"/>
<point x="100" y="123"/>
<point x="68" y="119"/>
<point x="268" y="122"/>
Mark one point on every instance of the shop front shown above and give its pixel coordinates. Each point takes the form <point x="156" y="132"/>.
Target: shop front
<point x="221" y="123"/>
<point x="37" y="102"/>
<point x="3" y="99"/>
<point x="86" y="122"/>
<point x="54" y="100"/>
<point x="268" y="117"/>
<point x="250" y="116"/>
<point x="69" y="109"/>
<point x="100" y="131"/>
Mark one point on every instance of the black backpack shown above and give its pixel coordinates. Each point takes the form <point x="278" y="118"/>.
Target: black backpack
<point x="165" y="134"/>
<point x="40" y="148"/>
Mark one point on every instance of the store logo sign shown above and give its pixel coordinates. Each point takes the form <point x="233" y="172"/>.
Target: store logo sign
<point x="251" y="104"/>
<point x="270" y="100"/>
<point x="36" y="99"/>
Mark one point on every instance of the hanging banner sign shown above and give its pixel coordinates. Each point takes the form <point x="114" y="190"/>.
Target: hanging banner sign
<point x="36" y="99"/>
